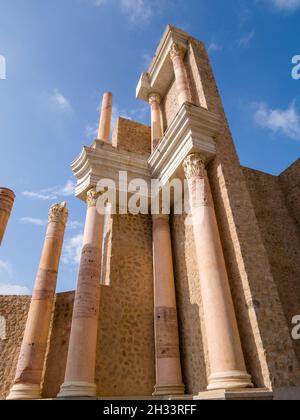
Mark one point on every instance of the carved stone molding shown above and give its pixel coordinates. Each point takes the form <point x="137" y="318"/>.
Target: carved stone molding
<point x="194" y="166"/>
<point x="58" y="213"/>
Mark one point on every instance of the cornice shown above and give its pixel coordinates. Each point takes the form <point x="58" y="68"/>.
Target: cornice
<point x="160" y="73"/>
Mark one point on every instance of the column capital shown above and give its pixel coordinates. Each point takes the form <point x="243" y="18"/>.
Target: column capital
<point x="194" y="166"/>
<point x="7" y="198"/>
<point x="58" y="213"/>
<point x="154" y="97"/>
<point x="92" y="197"/>
<point x="177" y="51"/>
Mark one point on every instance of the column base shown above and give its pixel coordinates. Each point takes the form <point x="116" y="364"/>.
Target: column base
<point x="77" y="389"/>
<point x="24" y="392"/>
<point x="229" y="380"/>
<point x="163" y="390"/>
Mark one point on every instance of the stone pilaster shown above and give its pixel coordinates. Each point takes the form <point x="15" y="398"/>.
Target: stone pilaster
<point x="168" y="365"/>
<point x="177" y="55"/>
<point x="105" y="117"/>
<point x="29" y="374"/>
<point x="227" y="365"/>
<point x="81" y="361"/>
<point x="156" y="124"/>
<point x="7" y="198"/>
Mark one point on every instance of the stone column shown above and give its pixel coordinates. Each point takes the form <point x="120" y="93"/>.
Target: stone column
<point x="168" y="365"/>
<point x="30" y="367"/>
<point x="156" y="126"/>
<point x="7" y="198"/>
<point x="177" y="55"/>
<point x="105" y="117"/>
<point x="227" y="365"/>
<point x="81" y="361"/>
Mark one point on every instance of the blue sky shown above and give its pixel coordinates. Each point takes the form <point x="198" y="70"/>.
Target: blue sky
<point x="60" y="57"/>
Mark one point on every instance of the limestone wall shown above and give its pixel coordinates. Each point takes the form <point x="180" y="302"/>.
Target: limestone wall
<point x="14" y="309"/>
<point x="289" y="181"/>
<point x="281" y="239"/>
<point x="131" y="136"/>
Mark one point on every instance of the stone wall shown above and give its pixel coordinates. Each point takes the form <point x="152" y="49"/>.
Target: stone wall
<point x="280" y="235"/>
<point x="131" y="136"/>
<point x="290" y="184"/>
<point x="14" y="309"/>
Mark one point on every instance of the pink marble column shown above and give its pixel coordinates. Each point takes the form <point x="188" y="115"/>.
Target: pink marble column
<point x="105" y="117"/>
<point x="81" y="361"/>
<point x="30" y="367"/>
<point x="177" y="55"/>
<point x="168" y="365"/>
<point x="156" y="125"/>
<point x="7" y="198"/>
<point x="227" y="364"/>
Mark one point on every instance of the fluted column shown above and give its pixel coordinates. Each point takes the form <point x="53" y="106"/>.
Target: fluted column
<point x="156" y="125"/>
<point x="168" y="365"/>
<point x="182" y="84"/>
<point x="7" y="198"/>
<point x="105" y="117"/>
<point x="29" y="374"/>
<point x="81" y="361"/>
<point x="227" y="365"/>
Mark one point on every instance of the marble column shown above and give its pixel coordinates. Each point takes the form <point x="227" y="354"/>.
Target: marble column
<point x="227" y="365"/>
<point x="30" y="367"/>
<point x="182" y="84"/>
<point x="81" y="361"/>
<point x="168" y="364"/>
<point x="7" y="198"/>
<point x="156" y="124"/>
<point x="105" y="117"/>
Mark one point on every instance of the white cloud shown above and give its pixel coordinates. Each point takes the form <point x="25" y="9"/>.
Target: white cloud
<point x="72" y="224"/>
<point x="286" y="5"/>
<point x="245" y="40"/>
<point x="6" y="276"/>
<point x="33" y="221"/>
<point x="13" y="290"/>
<point x="53" y="193"/>
<point x="60" y="101"/>
<point x="72" y="250"/>
<point x="137" y="11"/>
<point x="6" y="269"/>
<point x="282" y="121"/>
<point x="213" y="47"/>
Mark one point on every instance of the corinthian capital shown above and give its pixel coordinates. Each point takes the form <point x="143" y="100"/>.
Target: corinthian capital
<point x="194" y="166"/>
<point x="92" y="197"/>
<point x="59" y="213"/>
<point x="154" y="97"/>
<point x="176" y="51"/>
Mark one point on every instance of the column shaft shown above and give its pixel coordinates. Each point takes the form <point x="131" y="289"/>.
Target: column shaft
<point x="7" y="198"/>
<point x="29" y="374"/>
<point x="227" y="365"/>
<point x="156" y="125"/>
<point x="168" y="365"/>
<point x="177" y="54"/>
<point x="105" y="118"/>
<point x="81" y="361"/>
